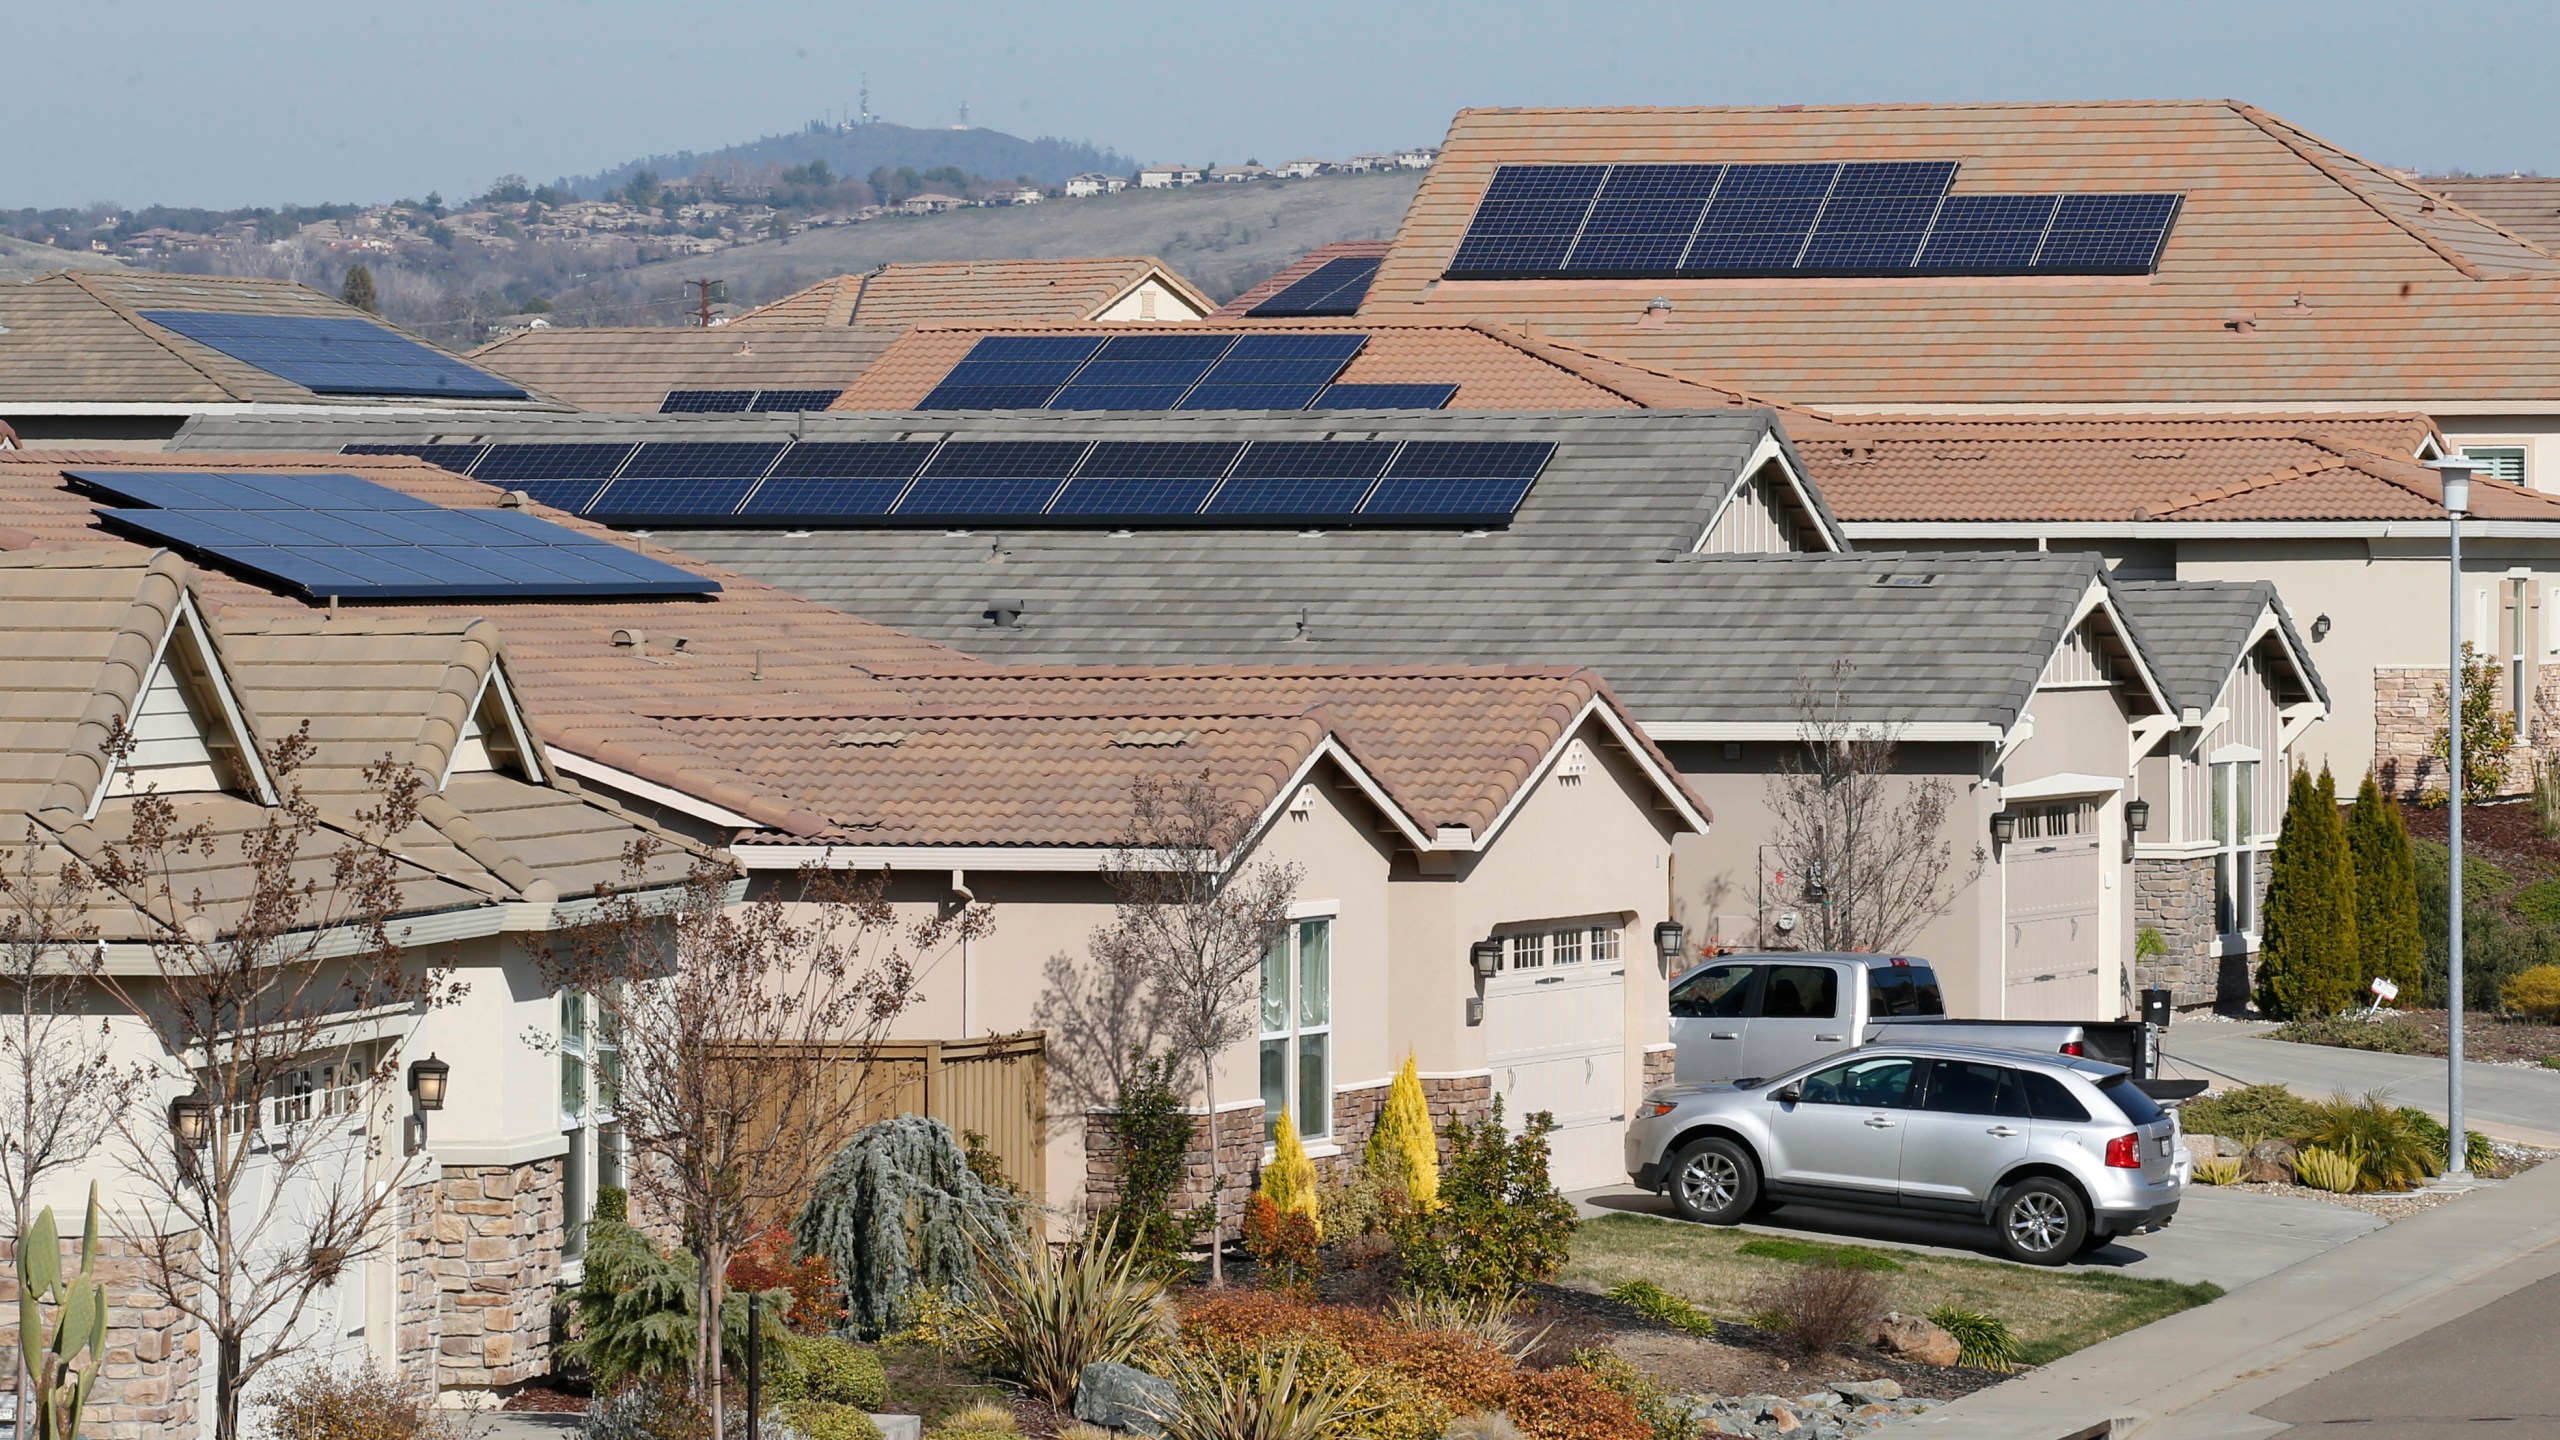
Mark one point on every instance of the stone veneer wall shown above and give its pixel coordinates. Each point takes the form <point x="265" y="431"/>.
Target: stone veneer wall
<point x="2174" y="895"/>
<point x="155" y="1357"/>
<point x="2406" y="716"/>
<point x="1661" y="1066"/>
<point x="479" y="1263"/>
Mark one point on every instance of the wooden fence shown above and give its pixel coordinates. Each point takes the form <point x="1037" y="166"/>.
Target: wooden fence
<point x="994" y="1086"/>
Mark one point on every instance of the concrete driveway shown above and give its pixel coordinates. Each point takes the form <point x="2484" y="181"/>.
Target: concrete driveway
<point x="2504" y="1102"/>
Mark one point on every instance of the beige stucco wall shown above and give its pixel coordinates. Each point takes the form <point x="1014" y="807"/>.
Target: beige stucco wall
<point x="2538" y="434"/>
<point x="1150" y="300"/>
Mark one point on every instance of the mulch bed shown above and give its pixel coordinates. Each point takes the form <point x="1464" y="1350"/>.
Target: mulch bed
<point x="2495" y="1039"/>
<point x="2504" y="831"/>
<point x="549" y="1395"/>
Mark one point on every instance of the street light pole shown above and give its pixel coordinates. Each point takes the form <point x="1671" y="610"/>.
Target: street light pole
<point x="2455" y="473"/>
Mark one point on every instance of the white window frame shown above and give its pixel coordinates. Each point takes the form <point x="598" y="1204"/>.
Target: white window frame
<point x="2231" y="781"/>
<point x="1553" y="944"/>
<point x="2496" y="459"/>
<point x="587" y="1119"/>
<point x="1293" y="1029"/>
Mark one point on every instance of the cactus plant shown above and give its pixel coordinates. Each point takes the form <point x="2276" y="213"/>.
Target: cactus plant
<point x="55" y="1362"/>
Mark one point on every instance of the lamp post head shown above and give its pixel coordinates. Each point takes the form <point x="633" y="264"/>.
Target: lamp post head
<point x="2455" y="473"/>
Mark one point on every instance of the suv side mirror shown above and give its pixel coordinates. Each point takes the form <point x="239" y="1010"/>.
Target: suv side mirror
<point x="1789" y="1095"/>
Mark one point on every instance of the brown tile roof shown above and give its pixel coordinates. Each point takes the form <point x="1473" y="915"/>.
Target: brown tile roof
<point x="742" y="699"/>
<point x="1493" y="366"/>
<point x="2526" y="205"/>
<point x="924" y="293"/>
<point x="633" y="369"/>
<point x="2296" y="274"/>
<point x="1297" y="270"/>
<point x="78" y="336"/>
<point x="2128" y="470"/>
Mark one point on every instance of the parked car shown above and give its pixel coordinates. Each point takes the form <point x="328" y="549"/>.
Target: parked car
<point x="2057" y="1154"/>
<point x="1761" y="1014"/>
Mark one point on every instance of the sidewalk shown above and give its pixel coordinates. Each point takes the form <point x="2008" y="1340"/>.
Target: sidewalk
<point x="2504" y="1103"/>
<point x="2201" y="1374"/>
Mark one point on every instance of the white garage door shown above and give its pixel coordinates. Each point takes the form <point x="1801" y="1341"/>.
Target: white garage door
<point x="1555" y="1035"/>
<point x="2052" y="868"/>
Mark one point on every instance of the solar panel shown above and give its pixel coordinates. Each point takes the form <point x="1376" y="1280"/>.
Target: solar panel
<point x="2107" y="234"/>
<point x="1643" y="219"/>
<point x="706" y="402"/>
<point x="985" y="479"/>
<point x="457" y="458"/>
<point x="232" y="490"/>
<point x="684" y="479"/>
<point x="1457" y="481"/>
<point x="1133" y="480"/>
<point x="1274" y="372"/>
<point x="564" y="477"/>
<point x="1335" y="287"/>
<point x="1760" y="219"/>
<point x="1526" y="223"/>
<point x="336" y="354"/>
<point x="1385" y="397"/>
<point x="1987" y="234"/>
<point x="821" y="480"/>
<point x="774" y="400"/>
<point x="389" y="546"/>
<point x="1142" y="372"/>
<point x="1012" y="372"/>
<point x="1877" y="215"/>
<point x="1298" y="480"/>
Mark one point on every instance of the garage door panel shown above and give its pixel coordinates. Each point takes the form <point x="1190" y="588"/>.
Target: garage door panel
<point x="1556" y="1041"/>
<point x="2049" y="962"/>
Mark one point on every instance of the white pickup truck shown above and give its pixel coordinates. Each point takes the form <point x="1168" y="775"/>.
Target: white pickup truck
<point x="1740" y="1016"/>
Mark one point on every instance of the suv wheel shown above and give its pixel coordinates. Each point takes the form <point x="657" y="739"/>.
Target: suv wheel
<point x="1715" y="1182"/>
<point x="2042" y="1222"/>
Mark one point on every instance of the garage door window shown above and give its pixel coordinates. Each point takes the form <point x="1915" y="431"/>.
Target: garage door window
<point x="1297" y="1030"/>
<point x="2235" y="859"/>
<point x="1567" y="945"/>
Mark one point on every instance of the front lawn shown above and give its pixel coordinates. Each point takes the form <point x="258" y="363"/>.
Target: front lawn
<point x="2053" y="1312"/>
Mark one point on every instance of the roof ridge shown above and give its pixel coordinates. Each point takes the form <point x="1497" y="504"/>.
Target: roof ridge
<point x="2238" y="488"/>
<point x="1863" y="105"/>
<point x="2408" y="182"/>
<point x="2311" y="149"/>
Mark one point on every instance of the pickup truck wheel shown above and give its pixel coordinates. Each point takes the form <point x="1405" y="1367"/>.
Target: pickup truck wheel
<point x="1715" y="1182"/>
<point x="2042" y="1222"/>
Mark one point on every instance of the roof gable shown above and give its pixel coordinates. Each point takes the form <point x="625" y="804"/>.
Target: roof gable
<point x="899" y="295"/>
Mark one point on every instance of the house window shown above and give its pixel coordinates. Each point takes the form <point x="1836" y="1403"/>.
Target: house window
<point x="590" y="1070"/>
<point x="1297" y="1029"/>
<point x="2497" y="462"/>
<point x="1529" y="952"/>
<point x="2518" y="656"/>
<point x="2235" y="856"/>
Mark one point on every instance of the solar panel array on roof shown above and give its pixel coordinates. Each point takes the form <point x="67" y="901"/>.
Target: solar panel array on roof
<point x="1384" y="397"/>
<point x="1858" y="218"/>
<point x="1225" y="370"/>
<point x="1335" y="287"/>
<point x="731" y="402"/>
<point x="343" y="536"/>
<point x="336" y="354"/>
<point x="1057" y="482"/>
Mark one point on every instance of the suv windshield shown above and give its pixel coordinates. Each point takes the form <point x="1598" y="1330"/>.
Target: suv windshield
<point x="1903" y="990"/>
<point x="2128" y="1097"/>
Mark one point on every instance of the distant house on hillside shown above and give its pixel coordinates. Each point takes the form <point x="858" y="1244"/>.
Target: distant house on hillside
<point x="1237" y="174"/>
<point x="930" y="202"/>
<point x="1093" y="184"/>
<point x="1166" y="177"/>
<point x="1418" y="157"/>
<point x="1301" y="169"/>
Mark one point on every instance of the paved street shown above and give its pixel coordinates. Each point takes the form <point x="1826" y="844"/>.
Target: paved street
<point x="2489" y="1368"/>
<point x="2500" y="1098"/>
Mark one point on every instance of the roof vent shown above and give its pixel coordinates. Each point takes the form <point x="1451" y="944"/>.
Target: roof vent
<point x="1576" y="761"/>
<point x="2242" y="323"/>
<point x="872" y="738"/>
<point x="1152" y="739"/>
<point x="1960" y="454"/>
<point x="514" y="500"/>
<point x="1906" y="582"/>
<point x="2161" y="452"/>
<point x="633" y="638"/>
<point x="1005" y="614"/>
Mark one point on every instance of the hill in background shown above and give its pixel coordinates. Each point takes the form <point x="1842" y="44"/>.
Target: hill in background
<point x="859" y="149"/>
<point x="1224" y="238"/>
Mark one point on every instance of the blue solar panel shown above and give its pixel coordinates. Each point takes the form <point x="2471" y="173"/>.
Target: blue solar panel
<point x="1385" y="397"/>
<point x="1527" y="220"/>
<point x="2108" y="234"/>
<point x="1293" y="480"/>
<point x="982" y="479"/>
<point x="948" y="396"/>
<point x="1335" y="287"/>
<point x="821" y="480"/>
<point x="1457" y="481"/>
<point x="1125" y="480"/>
<point x="1988" y="234"/>
<point x="774" y="400"/>
<point x="1643" y="220"/>
<point x="1251" y="397"/>
<point x="684" y="479"/>
<point x="1121" y="397"/>
<point x="1877" y="215"/>
<point x="564" y="477"/>
<point x="336" y="355"/>
<point x="1760" y="218"/>
<point x="456" y="458"/>
<point x="1142" y="372"/>
<point x="231" y="490"/>
<point x="719" y="459"/>
<point x="706" y="402"/>
<point x="1012" y="372"/>
<point x="1274" y="372"/>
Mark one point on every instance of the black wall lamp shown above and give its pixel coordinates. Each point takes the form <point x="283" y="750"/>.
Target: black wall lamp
<point x="2137" y="816"/>
<point x="426" y="1092"/>
<point x="1485" y="959"/>
<point x="1671" y="942"/>
<point x="2004" y="828"/>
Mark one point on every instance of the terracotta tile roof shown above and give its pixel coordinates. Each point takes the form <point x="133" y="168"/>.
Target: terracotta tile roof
<point x="1299" y="269"/>
<point x="2526" y="205"/>
<point x="2304" y="468"/>
<point x="1494" y="367"/>
<point x="78" y="336"/>
<point x="2296" y="273"/>
<point x="740" y="699"/>
<point x="895" y="296"/>
<point x="633" y="369"/>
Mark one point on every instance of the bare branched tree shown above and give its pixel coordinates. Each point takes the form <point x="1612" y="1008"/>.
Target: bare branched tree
<point x="1106" y="1007"/>
<point x="1196" y="926"/>
<point x="1868" y="841"/>
<point x="744" y="1029"/>
<point x="60" y="1085"/>
<point x="263" y="994"/>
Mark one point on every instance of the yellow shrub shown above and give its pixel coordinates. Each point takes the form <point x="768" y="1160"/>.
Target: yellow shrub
<point x="2533" y="994"/>
<point x="1289" y="1181"/>
<point x="2332" y="1170"/>
<point x="1402" y="1151"/>
<point x="2221" y="1170"/>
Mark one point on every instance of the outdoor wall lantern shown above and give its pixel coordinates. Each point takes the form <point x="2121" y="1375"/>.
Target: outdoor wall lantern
<point x="1486" y="955"/>
<point x="191" y="1120"/>
<point x="2320" y="629"/>
<point x="426" y="1082"/>
<point x="2004" y="828"/>
<point x="1671" y="941"/>
<point x="2137" y="815"/>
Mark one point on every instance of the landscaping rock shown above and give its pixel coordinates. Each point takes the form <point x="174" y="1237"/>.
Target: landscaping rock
<point x="1818" y="1400"/>
<point x="2207" y="1147"/>
<point x="899" y="1427"/>
<point x="1122" y="1398"/>
<point x="2269" y="1160"/>
<point x="1868" y="1391"/>
<point x="1917" y="1340"/>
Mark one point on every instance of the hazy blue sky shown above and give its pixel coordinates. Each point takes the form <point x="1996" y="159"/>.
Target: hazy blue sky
<point x="297" y="100"/>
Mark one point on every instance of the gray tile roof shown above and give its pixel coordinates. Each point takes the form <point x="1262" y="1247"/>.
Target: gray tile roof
<point x="2195" y="631"/>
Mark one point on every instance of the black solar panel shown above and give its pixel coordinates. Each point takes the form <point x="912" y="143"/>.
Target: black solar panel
<point x="773" y="400"/>
<point x="1335" y="287"/>
<point x="1987" y="234"/>
<point x="706" y="402"/>
<point x="821" y="480"/>
<point x="986" y="479"/>
<point x="2107" y="234"/>
<point x="1876" y="216"/>
<point x="1385" y="397"/>
<point x="1760" y="219"/>
<point x="1457" y="481"/>
<point x="457" y="458"/>
<point x="685" y="479"/>
<point x="1134" y="480"/>
<point x="337" y="354"/>
<point x="1528" y="219"/>
<point x="1142" y="372"/>
<point x="1012" y="372"/>
<point x="506" y="464"/>
<point x="1642" y="222"/>
<point x="212" y="490"/>
<point x="1296" y="480"/>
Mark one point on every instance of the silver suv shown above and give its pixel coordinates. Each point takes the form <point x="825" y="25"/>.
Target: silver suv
<point x="2057" y="1154"/>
